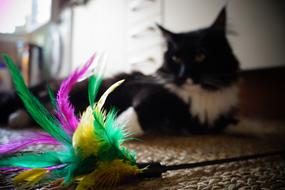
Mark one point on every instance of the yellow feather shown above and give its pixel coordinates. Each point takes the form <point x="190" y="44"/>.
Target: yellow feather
<point x="103" y="98"/>
<point x="108" y="174"/>
<point x="30" y="177"/>
<point x="83" y="138"/>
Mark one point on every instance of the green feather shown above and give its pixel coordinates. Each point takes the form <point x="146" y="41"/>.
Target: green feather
<point x="38" y="112"/>
<point x="114" y="131"/>
<point x="32" y="160"/>
<point x="111" y="136"/>
<point x="52" y="97"/>
<point x="106" y="130"/>
<point x="93" y="88"/>
<point x="79" y="167"/>
<point x="126" y="155"/>
<point x="75" y="166"/>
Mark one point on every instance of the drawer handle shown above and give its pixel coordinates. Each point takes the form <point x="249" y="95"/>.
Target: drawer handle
<point x="140" y="4"/>
<point x="149" y="29"/>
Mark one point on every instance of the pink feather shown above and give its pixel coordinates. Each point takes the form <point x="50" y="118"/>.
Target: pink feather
<point x="33" y="139"/>
<point x="65" y="111"/>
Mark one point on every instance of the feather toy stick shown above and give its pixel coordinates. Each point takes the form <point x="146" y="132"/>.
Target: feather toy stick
<point x="91" y="153"/>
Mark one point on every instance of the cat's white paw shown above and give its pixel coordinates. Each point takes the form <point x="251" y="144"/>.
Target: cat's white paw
<point x="129" y="119"/>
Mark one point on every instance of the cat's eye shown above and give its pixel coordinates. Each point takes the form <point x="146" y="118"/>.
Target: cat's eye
<point x="200" y="57"/>
<point x="176" y="59"/>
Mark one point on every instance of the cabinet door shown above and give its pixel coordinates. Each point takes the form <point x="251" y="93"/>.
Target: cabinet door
<point x="144" y="40"/>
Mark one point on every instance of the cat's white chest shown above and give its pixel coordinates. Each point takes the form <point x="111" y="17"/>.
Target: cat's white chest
<point x="204" y="104"/>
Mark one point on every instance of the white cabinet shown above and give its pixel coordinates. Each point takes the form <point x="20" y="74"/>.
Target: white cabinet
<point x="124" y="28"/>
<point x="127" y="30"/>
<point x="144" y="41"/>
<point x="140" y="10"/>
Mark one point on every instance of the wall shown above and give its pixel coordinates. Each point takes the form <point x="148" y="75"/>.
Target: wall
<point x="262" y="94"/>
<point x="257" y="26"/>
<point x="99" y="26"/>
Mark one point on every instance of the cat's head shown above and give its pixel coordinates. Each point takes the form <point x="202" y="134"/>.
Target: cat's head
<point x="204" y="56"/>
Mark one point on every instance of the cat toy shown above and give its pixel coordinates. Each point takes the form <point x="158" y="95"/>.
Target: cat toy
<point x="91" y="152"/>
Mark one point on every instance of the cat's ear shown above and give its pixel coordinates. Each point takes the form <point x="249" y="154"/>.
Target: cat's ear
<point x="170" y="37"/>
<point x="220" y="22"/>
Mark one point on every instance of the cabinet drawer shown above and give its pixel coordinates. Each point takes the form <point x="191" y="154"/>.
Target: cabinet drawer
<point x="144" y="36"/>
<point x="139" y="10"/>
<point x="145" y="27"/>
<point x="146" y="61"/>
<point x="141" y="44"/>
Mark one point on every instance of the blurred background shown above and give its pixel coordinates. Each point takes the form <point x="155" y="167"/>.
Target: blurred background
<point x="50" y="38"/>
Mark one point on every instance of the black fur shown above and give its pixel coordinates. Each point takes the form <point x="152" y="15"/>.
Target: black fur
<point x="219" y="67"/>
<point x="159" y="109"/>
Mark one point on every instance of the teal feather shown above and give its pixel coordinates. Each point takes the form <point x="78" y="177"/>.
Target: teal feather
<point x="52" y="97"/>
<point x="38" y="112"/>
<point x="32" y="160"/>
<point x="93" y="88"/>
<point x="75" y="166"/>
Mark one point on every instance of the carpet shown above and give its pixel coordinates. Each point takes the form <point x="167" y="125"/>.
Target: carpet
<point x="247" y="138"/>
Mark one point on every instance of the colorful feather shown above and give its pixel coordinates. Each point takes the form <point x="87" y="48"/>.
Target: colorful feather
<point x="34" y="138"/>
<point x="92" y="153"/>
<point x="103" y="98"/>
<point x="93" y="88"/>
<point x="38" y="112"/>
<point x="65" y="111"/>
<point x="108" y="174"/>
<point x="33" y="160"/>
<point x="85" y="130"/>
<point x="52" y="97"/>
<point x="31" y="177"/>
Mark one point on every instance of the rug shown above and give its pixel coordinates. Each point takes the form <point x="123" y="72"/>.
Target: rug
<point x="247" y="138"/>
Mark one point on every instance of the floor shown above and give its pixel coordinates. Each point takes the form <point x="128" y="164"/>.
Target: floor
<point x="247" y="138"/>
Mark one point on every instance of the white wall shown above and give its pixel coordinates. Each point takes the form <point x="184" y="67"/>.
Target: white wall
<point x="259" y="26"/>
<point x="100" y="26"/>
<point x="187" y="15"/>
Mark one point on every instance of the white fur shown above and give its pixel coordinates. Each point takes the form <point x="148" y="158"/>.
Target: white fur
<point x="206" y="105"/>
<point x="129" y="119"/>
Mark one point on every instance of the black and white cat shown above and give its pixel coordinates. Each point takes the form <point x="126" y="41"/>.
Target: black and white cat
<point x="194" y="91"/>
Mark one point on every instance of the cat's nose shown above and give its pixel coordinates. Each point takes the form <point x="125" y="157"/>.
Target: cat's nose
<point x="189" y="81"/>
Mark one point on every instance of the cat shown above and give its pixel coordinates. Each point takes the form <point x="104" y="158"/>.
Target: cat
<point x="194" y="91"/>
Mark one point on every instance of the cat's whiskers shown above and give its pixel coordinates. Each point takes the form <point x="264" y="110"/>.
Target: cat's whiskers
<point x="164" y="78"/>
<point x="217" y="81"/>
